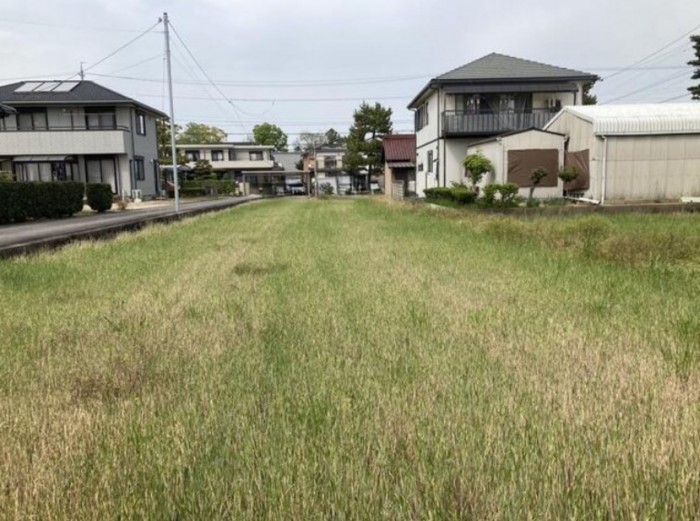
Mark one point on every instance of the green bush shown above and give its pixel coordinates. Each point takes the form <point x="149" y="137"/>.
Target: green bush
<point x="326" y="189"/>
<point x="463" y="196"/>
<point x="500" y="196"/>
<point x="20" y="201"/>
<point x="99" y="196"/>
<point x="193" y="191"/>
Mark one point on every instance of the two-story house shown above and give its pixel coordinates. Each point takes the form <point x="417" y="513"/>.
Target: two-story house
<point x="326" y="162"/>
<point x="487" y="97"/>
<point x="229" y="160"/>
<point x="80" y="131"/>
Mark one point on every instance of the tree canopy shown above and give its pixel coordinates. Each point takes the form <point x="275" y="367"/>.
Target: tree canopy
<point x="269" y="134"/>
<point x="695" y="89"/>
<point x="364" y="141"/>
<point x="165" y="151"/>
<point x="196" y="133"/>
<point x="588" y="98"/>
<point x="307" y="141"/>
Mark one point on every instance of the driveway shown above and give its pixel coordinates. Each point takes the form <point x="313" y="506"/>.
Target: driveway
<point x="26" y="237"/>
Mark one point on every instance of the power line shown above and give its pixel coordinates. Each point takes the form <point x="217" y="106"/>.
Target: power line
<point x="206" y="75"/>
<point x="147" y="60"/>
<point x="141" y="35"/>
<point x="639" y="62"/>
<point x="676" y="98"/>
<point x="646" y="87"/>
<point x="69" y="26"/>
<point x="290" y="100"/>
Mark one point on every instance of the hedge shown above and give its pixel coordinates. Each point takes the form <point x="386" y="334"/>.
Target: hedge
<point x="458" y="195"/>
<point x="99" y="196"/>
<point x="20" y="201"/>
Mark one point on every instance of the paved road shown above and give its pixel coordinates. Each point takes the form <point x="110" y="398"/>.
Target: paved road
<point x="25" y="237"/>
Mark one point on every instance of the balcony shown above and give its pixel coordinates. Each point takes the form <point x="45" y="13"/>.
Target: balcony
<point x="64" y="141"/>
<point x="459" y="123"/>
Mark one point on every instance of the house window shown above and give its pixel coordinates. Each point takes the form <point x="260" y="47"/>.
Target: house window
<point x="430" y="161"/>
<point x="256" y="156"/>
<point x="217" y="155"/>
<point x="231" y="154"/>
<point x="421" y="117"/>
<point x="192" y="156"/>
<point x="140" y="123"/>
<point x="330" y="163"/>
<point x="32" y="119"/>
<point x="100" y="118"/>
<point x="139" y="171"/>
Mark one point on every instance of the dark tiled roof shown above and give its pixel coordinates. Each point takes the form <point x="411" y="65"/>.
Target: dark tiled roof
<point x="85" y="92"/>
<point x="501" y="67"/>
<point x="400" y="147"/>
<point x="496" y="68"/>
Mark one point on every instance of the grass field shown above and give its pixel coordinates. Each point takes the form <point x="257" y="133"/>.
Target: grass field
<point x="350" y="359"/>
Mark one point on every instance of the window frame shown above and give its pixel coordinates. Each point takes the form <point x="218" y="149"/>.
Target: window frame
<point x="140" y="123"/>
<point x="217" y="155"/>
<point x="430" y="161"/>
<point x="139" y="168"/>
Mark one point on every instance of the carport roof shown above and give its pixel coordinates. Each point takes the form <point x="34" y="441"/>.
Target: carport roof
<point x="640" y="119"/>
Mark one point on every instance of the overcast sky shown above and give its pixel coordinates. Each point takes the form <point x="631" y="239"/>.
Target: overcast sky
<point x="298" y="53"/>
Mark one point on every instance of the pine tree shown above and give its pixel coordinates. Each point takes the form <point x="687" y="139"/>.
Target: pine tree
<point x="695" y="89"/>
<point x="364" y="141"/>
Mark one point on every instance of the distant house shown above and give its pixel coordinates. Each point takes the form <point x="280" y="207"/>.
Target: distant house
<point x="633" y="152"/>
<point x="81" y="131"/>
<point x="229" y="160"/>
<point x="326" y="164"/>
<point x="487" y="97"/>
<point x="284" y="178"/>
<point x="399" y="153"/>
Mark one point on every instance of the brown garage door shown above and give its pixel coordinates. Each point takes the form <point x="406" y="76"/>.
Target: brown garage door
<point x="521" y="163"/>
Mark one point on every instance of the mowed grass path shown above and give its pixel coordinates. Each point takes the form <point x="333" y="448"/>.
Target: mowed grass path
<point x="345" y="359"/>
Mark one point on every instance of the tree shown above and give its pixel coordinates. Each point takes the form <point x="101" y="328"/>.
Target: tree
<point x="202" y="168"/>
<point x="568" y="174"/>
<point x="165" y="151"/>
<point x="477" y="166"/>
<point x="588" y="98"/>
<point x="333" y="138"/>
<point x="364" y="141"/>
<point x="269" y="134"/>
<point x="695" y="89"/>
<point x="307" y="141"/>
<point x="536" y="177"/>
<point x="198" y="133"/>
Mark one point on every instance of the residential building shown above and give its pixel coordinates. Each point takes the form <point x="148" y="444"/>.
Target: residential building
<point x="484" y="98"/>
<point x="326" y="162"/>
<point x="284" y="178"/>
<point x="80" y="131"/>
<point x="399" y="153"/>
<point x="514" y="155"/>
<point x="645" y="152"/>
<point x="229" y="160"/>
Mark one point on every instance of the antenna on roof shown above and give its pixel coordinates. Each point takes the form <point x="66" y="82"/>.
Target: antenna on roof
<point x="82" y="72"/>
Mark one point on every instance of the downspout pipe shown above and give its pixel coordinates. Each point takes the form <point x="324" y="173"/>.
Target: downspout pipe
<point x="603" y="188"/>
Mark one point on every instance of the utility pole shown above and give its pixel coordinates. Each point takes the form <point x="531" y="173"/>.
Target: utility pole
<point x="166" y="25"/>
<point x="82" y="72"/>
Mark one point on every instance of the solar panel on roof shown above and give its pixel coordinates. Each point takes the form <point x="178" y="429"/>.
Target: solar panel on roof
<point x="28" y="86"/>
<point x="66" y="86"/>
<point x="47" y="86"/>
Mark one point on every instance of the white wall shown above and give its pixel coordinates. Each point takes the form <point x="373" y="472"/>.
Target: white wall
<point x="649" y="168"/>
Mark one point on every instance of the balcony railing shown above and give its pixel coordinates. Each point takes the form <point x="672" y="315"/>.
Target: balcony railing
<point x="480" y="124"/>
<point x="38" y="123"/>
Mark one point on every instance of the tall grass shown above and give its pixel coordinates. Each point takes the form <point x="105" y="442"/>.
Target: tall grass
<point x="345" y="359"/>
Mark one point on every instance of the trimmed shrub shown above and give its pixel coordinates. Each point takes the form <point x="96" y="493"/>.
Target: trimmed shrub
<point x="326" y="189"/>
<point x="500" y="196"/>
<point x="20" y="201"/>
<point x="192" y="191"/>
<point x="463" y="196"/>
<point x="99" y="196"/>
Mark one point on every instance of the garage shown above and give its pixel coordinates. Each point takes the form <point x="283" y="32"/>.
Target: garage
<point x="633" y="153"/>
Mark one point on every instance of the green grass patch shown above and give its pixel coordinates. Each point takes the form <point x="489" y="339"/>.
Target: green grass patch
<point x="348" y="359"/>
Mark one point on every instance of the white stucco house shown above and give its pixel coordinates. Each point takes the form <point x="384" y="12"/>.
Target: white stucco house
<point x="79" y="131"/>
<point x="634" y="152"/>
<point x="482" y="99"/>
